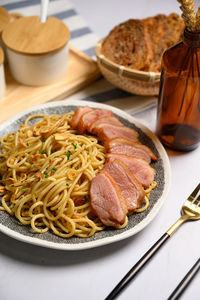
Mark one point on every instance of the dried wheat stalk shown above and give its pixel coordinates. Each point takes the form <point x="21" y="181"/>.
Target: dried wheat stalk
<point x="189" y="15"/>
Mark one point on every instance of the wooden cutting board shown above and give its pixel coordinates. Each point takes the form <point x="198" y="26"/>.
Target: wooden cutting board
<point x="82" y="70"/>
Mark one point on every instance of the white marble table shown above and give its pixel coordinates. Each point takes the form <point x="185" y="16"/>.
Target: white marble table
<point x="31" y="272"/>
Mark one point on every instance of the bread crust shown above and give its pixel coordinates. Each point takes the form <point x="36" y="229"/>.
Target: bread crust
<point x="128" y="45"/>
<point x="165" y="32"/>
<point x="139" y="44"/>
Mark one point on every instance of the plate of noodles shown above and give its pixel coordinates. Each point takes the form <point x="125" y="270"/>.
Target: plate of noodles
<point x="45" y="178"/>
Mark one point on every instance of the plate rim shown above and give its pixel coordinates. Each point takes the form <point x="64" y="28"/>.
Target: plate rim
<point x="106" y="240"/>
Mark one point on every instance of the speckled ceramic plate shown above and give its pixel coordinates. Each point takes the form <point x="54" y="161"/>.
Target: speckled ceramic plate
<point x="10" y="226"/>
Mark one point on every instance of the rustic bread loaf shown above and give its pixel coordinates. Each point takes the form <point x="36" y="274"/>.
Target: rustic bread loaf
<point x="139" y="44"/>
<point x="128" y="45"/>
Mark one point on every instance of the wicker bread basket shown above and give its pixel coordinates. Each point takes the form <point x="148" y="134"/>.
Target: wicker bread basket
<point x="130" y="80"/>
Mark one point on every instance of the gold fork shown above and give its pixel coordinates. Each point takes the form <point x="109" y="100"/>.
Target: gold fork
<point x="190" y="211"/>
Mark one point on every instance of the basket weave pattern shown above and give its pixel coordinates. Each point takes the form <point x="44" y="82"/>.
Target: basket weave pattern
<point x="132" y="86"/>
<point x="136" y="82"/>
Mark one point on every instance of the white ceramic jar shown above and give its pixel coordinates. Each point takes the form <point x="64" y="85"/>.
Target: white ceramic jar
<point x="37" y="52"/>
<point x="2" y="77"/>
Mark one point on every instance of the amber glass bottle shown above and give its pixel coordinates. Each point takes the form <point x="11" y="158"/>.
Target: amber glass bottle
<point x="178" y="117"/>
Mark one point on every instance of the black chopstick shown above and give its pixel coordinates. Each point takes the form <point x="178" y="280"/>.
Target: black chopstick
<point x="137" y="267"/>
<point x="185" y="281"/>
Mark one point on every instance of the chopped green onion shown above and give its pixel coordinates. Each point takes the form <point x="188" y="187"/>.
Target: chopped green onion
<point x="43" y="152"/>
<point x="67" y="184"/>
<point x="69" y="154"/>
<point x="24" y="190"/>
<point x="27" y="144"/>
<point x="52" y="151"/>
<point x="75" y="145"/>
<point x="53" y="169"/>
<point x="46" y="174"/>
<point x="87" y="197"/>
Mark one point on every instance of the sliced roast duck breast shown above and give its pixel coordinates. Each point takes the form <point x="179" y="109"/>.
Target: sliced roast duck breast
<point x="109" y="131"/>
<point x="78" y="114"/>
<point x="107" y="200"/>
<point x="130" y="188"/>
<point x="140" y="168"/>
<point x="97" y="124"/>
<point x="89" y="117"/>
<point x="124" y="146"/>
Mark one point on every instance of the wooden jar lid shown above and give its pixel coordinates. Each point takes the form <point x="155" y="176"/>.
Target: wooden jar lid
<point x="1" y="56"/>
<point x="4" y="18"/>
<point x="31" y="37"/>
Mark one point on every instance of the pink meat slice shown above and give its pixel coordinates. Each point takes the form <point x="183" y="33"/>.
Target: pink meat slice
<point x="123" y="146"/>
<point x="130" y="188"/>
<point x="142" y="171"/>
<point x="109" y="131"/>
<point x="107" y="201"/>
<point x="88" y="118"/>
<point x="93" y="128"/>
<point x="78" y="114"/>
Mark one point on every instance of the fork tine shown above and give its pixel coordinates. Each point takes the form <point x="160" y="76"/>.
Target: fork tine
<point x="196" y="200"/>
<point x="194" y="193"/>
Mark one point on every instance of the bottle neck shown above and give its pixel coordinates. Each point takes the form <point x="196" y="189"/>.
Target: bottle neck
<point x="192" y="39"/>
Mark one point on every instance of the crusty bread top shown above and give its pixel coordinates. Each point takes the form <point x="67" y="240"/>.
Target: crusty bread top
<point x="139" y="44"/>
<point x="127" y="45"/>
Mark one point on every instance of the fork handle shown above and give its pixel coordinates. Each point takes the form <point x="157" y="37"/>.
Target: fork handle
<point x="137" y="267"/>
<point x="145" y="258"/>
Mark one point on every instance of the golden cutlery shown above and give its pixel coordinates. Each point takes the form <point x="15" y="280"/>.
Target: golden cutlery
<point x="190" y="211"/>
